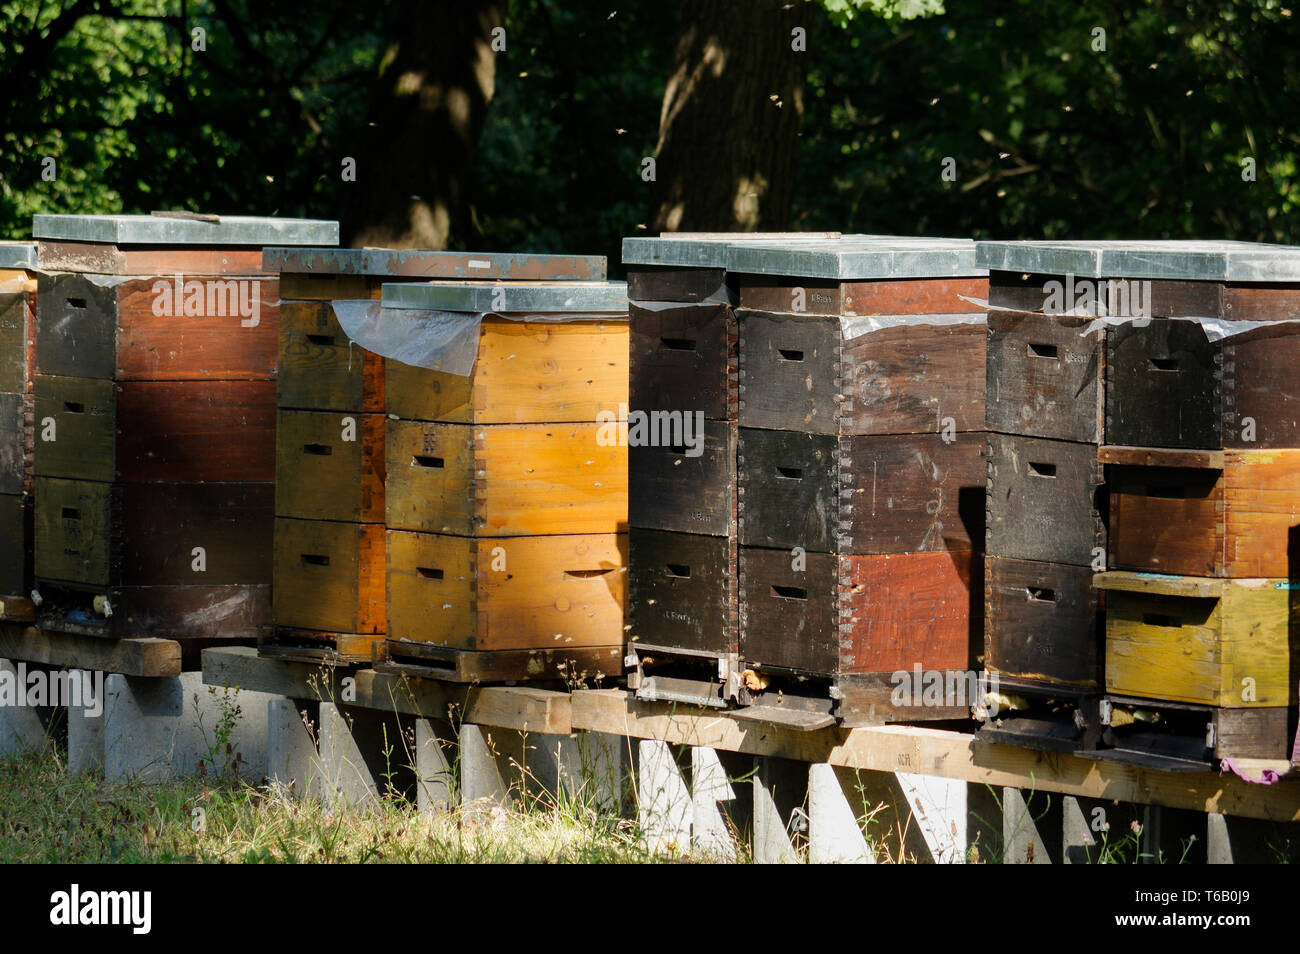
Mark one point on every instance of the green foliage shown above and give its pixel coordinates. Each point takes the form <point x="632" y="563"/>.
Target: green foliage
<point x="1050" y="137"/>
<point x="843" y="11"/>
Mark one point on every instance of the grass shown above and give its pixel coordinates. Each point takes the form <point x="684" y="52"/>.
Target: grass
<point x="50" y="815"/>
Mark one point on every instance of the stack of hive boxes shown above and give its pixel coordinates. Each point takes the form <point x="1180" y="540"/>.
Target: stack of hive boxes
<point x="683" y="606"/>
<point x="860" y="465"/>
<point x="17" y="357"/>
<point x="507" y="488"/>
<point x="1045" y="518"/>
<point x="818" y="539"/>
<point x="1199" y="454"/>
<point x="155" y="417"/>
<point x="329" y="573"/>
<point x="683" y="631"/>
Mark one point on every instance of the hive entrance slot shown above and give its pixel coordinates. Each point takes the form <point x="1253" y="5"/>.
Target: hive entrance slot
<point x="419" y="460"/>
<point x="678" y="344"/>
<point x="321" y="339"/>
<point x="789" y="592"/>
<point x="1040" y="594"/>
<point x="1043" y="350"/>
<point x="790" y="473"/>
<point x="1042" y="470"/>
<point x="315" y="559"/>
<point x="429" y="573"/>
<point x="1161" y="619"/>
<point x="1163" y="364"/>
<point x="789" y="354"/>
<point x="678" y="570"/>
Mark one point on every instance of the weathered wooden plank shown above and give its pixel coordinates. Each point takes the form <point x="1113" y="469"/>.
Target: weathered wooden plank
<point x="936" y="752"/>
<point x="130" y="657"/>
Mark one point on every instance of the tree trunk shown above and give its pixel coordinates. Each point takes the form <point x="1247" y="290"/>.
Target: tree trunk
<point x="426" y="115"/>
<point x="730" y="122"/>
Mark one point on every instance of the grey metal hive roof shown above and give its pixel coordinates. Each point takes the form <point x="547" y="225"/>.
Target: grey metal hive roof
<point x="1155" y="259"/>
<point x="414" y="262"/>
<point x="162" y="230"/>
<point x="509" y="298"/>
<point x="847" y="258"/>
<point x="17" y="254"/>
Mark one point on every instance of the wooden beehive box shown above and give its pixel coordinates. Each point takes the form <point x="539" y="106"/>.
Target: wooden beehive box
<point x="1045" y="500"/>
<point x="508" y="532"/>
<point x="863" y="494"/>
<point x="504" y="479"/>
<point x="526" y="372"/>
<point x="1042" y="624"/>
<point x="860" y="463"/>
<point x="330" y="551"/>
<point x="330" y="466"/>
<point x="1204" y="513"/>
<point x="682" y="602"/>
<point x="155" y="390"/>
<point x="1182" y="368"/>
<point x="18" y="287"/>
<point x="176" y="559"/>
<point x="1045" y="376"/>
<point x="1197" y="640"/>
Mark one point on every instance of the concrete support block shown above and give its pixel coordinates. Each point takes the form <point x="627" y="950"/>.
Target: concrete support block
<point x="435" y="758"/>
<point x="664" y="806"/>
<point x="86" y="722"/>
<point x="1022" y="838"/>
<point x="939" y="812"/>
<point x="165" y="728"/>
<point x="834" y="835"/>
<point x="491" y="762"/>
<point x="780" y="787"/>
<point x="364" y="753"/>
<point x="292" y="758"/>
<point x="22" y="727"/>
<point x="712" y="796"/>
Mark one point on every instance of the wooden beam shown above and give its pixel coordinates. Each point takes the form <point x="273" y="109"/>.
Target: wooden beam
<point x="503" y="707"/>
<point x="130" y="657"/>
<point x="936" y="752"/>
<point x="242" y="667"/>
<point x="507" y="707"/>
